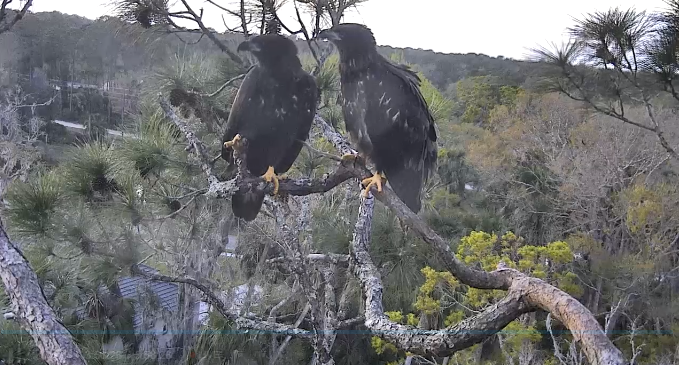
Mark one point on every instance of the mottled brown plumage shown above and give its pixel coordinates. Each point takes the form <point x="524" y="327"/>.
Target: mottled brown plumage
<point x="385" y="113"/>
<point x="273" y="111"/>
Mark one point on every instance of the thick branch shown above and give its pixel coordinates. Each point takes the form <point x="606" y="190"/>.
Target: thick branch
<point x="28" y="302"/>
<point x="341" y="144"/>
<point x="194" y="141"/>
<point x="524" y="293"/>
<point x="329" y="258"/>
<point x="423" y="342"/>
<point x="297" y="187"/>
<point x="576" y="317"/>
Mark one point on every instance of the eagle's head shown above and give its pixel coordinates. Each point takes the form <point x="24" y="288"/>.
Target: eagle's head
<point x="350" y="38"/>
<point x="271" y="49"/>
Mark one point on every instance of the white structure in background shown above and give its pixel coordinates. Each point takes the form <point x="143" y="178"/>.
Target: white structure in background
<point x="82" y="127"/>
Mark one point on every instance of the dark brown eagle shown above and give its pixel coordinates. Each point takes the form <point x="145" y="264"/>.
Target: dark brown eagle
<point x="386" y="115"/>
<point x="273" y="110"/>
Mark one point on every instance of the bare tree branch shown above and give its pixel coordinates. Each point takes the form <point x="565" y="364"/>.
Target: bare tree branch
<point x="524" y="293"/>
<point x="6" y="25"/>
<point x="219" y="304"/>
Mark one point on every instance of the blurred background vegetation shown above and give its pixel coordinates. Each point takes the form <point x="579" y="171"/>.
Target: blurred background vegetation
<point x="527" y="175"/>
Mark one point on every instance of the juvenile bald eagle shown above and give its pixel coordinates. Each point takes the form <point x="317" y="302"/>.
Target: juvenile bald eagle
<point x="385" y="114"/>
<point x="273" y="111"/>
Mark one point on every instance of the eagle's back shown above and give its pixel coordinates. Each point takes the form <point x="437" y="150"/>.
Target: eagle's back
<point x="389" y="120"/>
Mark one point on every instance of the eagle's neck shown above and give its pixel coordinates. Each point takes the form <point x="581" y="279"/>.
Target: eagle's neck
<point x="352" y="63"/>
<point x="282" y="68"/>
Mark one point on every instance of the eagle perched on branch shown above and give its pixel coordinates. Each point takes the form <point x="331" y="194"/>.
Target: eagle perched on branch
<point x="273" y="110"/>
<point x="385" y="113"/>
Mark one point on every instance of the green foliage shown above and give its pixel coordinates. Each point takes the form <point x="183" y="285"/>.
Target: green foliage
<point x="478" y="96"/>
<point x="425" y="301"/>
<point x="327" y="78"/>
<point x="91" y="170"/>
<point x="215" y="343"/>
<point x="648" y="209"/>
<point x="31" y="204"/>
<point x="150" y="153"/>
<point x="17" y="346"/>
<point x="517" y="333"/>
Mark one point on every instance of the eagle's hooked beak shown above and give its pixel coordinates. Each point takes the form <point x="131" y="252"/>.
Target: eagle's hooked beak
<point x="248" y="46"/>
<point x="329" y="34"/>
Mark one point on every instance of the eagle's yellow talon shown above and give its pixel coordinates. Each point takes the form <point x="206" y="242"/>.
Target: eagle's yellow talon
<point x="271" y="176"/>
<point x="377" y="180"/>
<point x="233" y="142"/>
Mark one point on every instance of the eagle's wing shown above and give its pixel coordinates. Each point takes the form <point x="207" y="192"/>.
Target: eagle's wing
<point x="424" y="123"/>
<point x="402" y="129"/>
<point x="354" y="105"/>
<point x="304" y="107"/>
<point x="413" y="82"/>
<point x="237" y="115"/>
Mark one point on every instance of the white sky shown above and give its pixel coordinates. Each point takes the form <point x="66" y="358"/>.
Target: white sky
<point x="494" y="28"/>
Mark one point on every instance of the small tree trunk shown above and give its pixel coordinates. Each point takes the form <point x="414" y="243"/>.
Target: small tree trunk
<point x="28" y="302"/>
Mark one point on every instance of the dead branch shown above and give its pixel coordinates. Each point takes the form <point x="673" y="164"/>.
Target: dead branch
<point x="612" y="112"/>
<point x="211" y="35"/>
<point x="18" y="16"/>
<point x="284" y="344"/>
<point x="244" y="323"/>
<point x="437" y="343"/>
<point x="524" y="293"/>
<point x="227" y="83"/>
<point x="332" y="258"/>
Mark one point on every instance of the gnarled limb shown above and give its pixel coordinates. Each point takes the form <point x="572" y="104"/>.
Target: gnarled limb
<point x="524" y="293"/>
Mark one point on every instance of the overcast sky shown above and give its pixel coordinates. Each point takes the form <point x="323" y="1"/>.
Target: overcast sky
<point x="494" y="28"/>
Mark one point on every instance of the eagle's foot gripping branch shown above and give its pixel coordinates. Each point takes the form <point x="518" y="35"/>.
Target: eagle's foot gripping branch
<point x="376" y="180"/>
<point x="271" y="176"/>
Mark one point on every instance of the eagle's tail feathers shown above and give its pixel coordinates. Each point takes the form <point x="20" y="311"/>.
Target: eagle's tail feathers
<point x="407" y="184"/>
<point x="247" y="206"/>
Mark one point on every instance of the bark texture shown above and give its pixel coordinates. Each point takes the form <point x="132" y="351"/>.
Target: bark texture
<point x="28" y="303"/>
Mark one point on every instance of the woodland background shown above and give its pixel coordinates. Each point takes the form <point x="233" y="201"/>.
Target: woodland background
<point x="553" y="186"/>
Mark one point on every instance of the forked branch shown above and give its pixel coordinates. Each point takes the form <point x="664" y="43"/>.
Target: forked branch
<point x="524" y="293"/>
